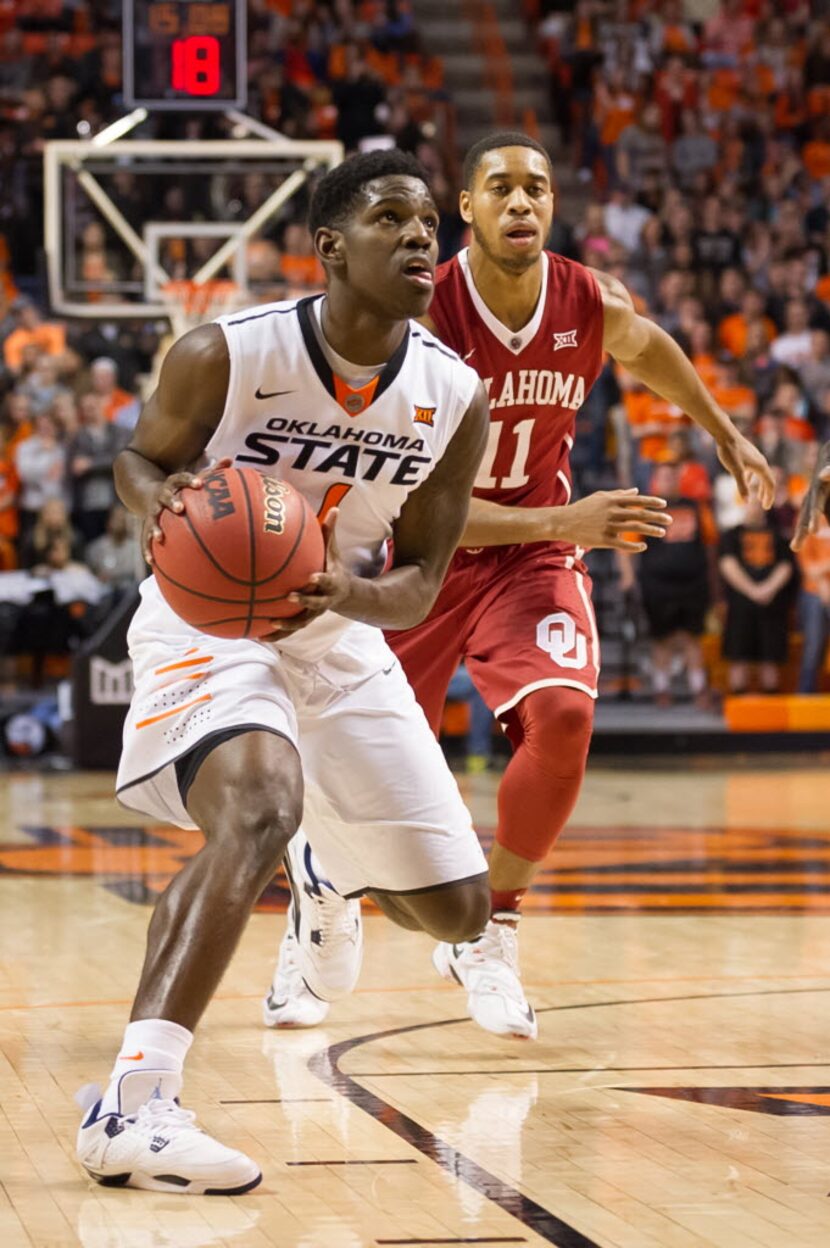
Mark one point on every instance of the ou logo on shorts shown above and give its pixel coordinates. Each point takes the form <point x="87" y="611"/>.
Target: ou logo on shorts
<point x="556" y="634"/>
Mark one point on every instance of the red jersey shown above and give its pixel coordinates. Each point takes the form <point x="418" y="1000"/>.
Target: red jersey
<point x="536" y="378"/>
<point x="519" y="616"/>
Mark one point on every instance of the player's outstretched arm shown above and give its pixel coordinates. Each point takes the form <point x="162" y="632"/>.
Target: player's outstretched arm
<point x="655" y="359"/>
<point x="817" y="500"/>
<point x="175" y="426"/>
<point x="426" y="534"/>
<point x="609" y="520"/>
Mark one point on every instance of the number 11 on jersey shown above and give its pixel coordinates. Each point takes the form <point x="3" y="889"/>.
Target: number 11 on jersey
<point x="518" y="472"/>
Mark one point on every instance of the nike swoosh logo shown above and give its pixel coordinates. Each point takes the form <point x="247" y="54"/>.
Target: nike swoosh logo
<point x="271" y="394"/>
<point x="132" y="1057"/>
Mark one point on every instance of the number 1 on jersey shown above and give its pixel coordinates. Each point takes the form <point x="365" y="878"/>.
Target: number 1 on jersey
<point x="333" y="498"/>
<point x="518" y="471"/>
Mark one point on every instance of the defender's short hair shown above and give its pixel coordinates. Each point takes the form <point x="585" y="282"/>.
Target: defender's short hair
<point x="339" y="192"/>
<point x="502" y="138"/>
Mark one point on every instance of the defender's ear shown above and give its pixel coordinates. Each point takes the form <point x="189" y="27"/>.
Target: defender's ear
<point x="465" y="207"/>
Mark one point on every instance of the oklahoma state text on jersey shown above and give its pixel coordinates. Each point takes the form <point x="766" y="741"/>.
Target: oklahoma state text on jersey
<point x="536" y="378"/>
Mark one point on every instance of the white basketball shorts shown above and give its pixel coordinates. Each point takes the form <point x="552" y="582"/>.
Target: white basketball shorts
<point x="382" y="809"/>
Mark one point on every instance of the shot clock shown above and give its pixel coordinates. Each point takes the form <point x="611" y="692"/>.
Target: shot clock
<point x="184" y="54"/>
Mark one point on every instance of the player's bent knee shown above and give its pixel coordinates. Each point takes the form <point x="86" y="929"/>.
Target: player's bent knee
<point x="558" y="716"/>
<point x="248" y="795"/>
<point x="454" y="914"/>
<point x="262" y="833"/>
<point x="255" y="821"/>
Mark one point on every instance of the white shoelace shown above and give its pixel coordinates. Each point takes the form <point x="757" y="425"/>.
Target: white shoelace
<point x="335" y="921"/>
<point x="163" y="1114"/>
<point x="498" y="942"/>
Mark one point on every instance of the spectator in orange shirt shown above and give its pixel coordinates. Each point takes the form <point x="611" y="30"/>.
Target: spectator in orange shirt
<point x="732" y="331"/>
<point x="676" y="576"/>
<point x="671" y="30"/>
<point x="734" y="397"/>
<point x="45" y="335"/>
<point x="651" y="421"/>
<point x="816" y="153"/>
<point x="119" y="406"/>
<point x="702" y="355"/>
<point x="694" y="478"/>
<point x="790" y="109"/>
<point x="814" y="605"/>
<point x="616" y="107"/>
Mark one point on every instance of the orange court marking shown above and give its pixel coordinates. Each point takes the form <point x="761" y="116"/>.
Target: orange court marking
<point x="154" y="719"/>
<point x="809" y="1098"/>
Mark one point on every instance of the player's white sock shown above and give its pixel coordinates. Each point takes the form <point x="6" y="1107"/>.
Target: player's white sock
<point x="148" y="1044"/>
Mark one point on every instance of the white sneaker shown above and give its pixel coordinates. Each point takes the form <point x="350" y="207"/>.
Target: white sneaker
<point x="152" y="1143"/>
<point x="328" y="927"/>
<point x="488" y="968"/>
<point x="289" y="1003"/>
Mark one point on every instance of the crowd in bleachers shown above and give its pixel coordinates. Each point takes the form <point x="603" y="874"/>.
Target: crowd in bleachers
<point x="344" y="69"/>
<point x="69" y="393"/>
<point x="700" y="134"/>
<point x="700" y="139"/>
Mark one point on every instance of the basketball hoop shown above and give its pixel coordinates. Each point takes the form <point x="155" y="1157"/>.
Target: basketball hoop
<point x="192" y="303"/>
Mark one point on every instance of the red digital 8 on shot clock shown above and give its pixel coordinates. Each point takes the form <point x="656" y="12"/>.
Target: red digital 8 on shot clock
<point x="184" y="54"/>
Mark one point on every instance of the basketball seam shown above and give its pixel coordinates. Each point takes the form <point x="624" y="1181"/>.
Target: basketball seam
<point x="301" y="529"/>
<point x="235" y="580"/>
<point x="198" y="593"/>
<point x="252" y="586"/>
<point x="290" y="554"/>
<point x="233" y="619"/>
<point x="238" y="580"/>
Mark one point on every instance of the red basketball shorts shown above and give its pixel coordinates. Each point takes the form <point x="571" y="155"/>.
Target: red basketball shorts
<point x="519" y="617"/>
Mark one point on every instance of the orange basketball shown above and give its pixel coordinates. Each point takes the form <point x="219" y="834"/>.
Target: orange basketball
<point x="243" y="543"/>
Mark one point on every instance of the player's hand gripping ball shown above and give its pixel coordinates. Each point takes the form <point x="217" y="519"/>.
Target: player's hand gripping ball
<point x="229" y="559"/>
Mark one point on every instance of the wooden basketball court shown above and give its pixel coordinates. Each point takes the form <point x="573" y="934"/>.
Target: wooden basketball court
<point x="678" y="951"/>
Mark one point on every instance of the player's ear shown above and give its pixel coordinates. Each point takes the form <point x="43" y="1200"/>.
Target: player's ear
<point x="465" y="207"/>
<point x="328" y="245"/>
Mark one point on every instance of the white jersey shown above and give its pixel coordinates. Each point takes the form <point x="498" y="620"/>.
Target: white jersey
<point x="363" y="450"/>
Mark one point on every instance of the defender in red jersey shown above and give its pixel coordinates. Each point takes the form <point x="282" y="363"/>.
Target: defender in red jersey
<point x="519" y="615"/>
<point x="515" y="604"/>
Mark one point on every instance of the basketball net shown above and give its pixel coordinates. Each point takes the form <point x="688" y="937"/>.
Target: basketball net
<point x="192" y="303"/>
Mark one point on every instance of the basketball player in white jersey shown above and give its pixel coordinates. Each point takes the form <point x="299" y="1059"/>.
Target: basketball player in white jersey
<point x="348" y="400"/>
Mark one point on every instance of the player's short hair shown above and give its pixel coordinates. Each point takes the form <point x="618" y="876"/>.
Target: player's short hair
<point x="502" y="138"/>
<point x="339" y="192"/>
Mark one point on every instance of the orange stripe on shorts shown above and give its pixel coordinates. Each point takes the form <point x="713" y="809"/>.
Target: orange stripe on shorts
<point x="174" y="710"/>
<point x="175" y="667"/>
